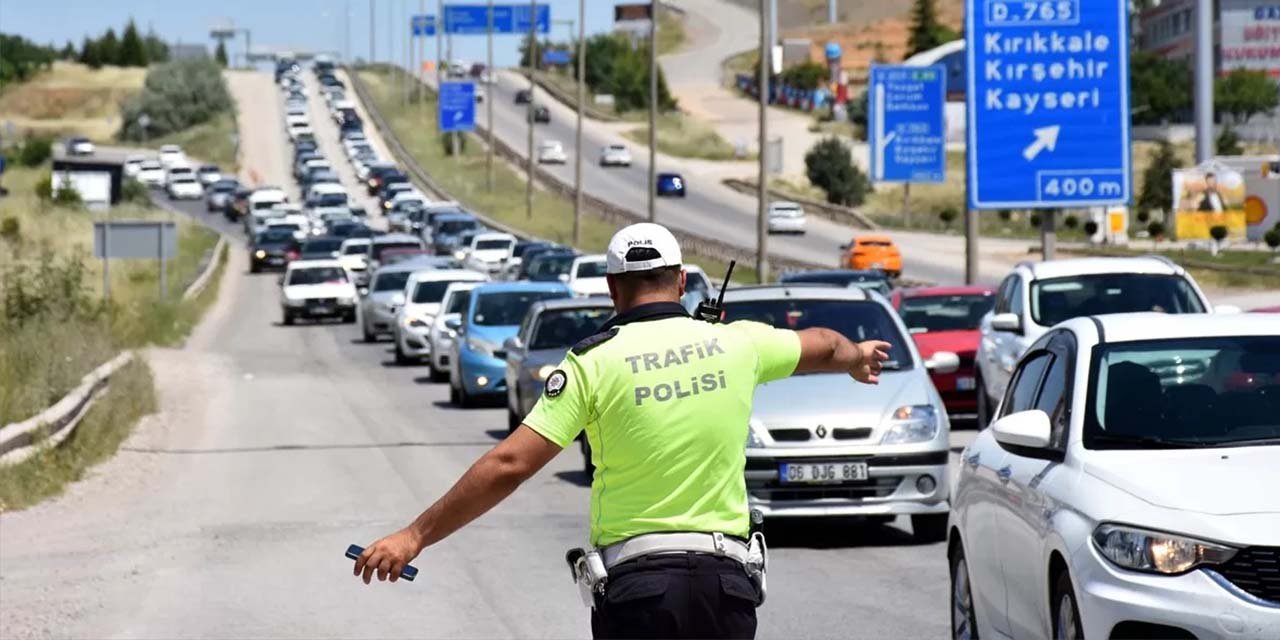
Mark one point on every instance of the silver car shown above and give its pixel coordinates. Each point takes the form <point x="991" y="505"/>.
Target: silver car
<point x="824" y="445"/>
<point x="548" y="331"/>
<point x="380" y="301"/>
<point x="444" y="328"/>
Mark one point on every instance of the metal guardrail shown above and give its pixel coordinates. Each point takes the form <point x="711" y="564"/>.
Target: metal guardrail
<point x="690" y="243"/>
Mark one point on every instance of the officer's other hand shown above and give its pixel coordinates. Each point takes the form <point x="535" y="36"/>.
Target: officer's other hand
<point x="388" y="556"/>
<point x="872" y="355"/>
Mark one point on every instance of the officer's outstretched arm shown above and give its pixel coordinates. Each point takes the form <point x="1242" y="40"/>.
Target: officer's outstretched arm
<point x="489" y="481"/>
<point x="824" y="350"/>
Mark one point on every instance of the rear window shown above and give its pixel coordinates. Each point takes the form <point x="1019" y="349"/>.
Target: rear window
<point x="356" y="250"/>
<point x="493" y="244"/>
<point x="379" y="248"/>
<point x="451" y="227"/>
<point x="856" y="320"/>
<point x="508" y="308"/>
<point x="874" y="243"/>
<point x="393" y="281"/>
<point x="321" y="245"/>
<point x="562" y="329"/>
<point x="927" y="314"/>
<point x="317" y="275"/>
<point x="275" y="234"/>
<point x="592" y="269"/>
<point x="432" y="291"/>
<point x="1057" y="299"/>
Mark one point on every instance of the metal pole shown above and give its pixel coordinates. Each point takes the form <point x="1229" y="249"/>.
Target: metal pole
<point x="455" y="137"/>
<point x="653" y="110"/>
<point x="577" y="144"/>
<point x="1048" y="239"/>
<point x="391" y="42"/>
<point x="346" y="33"/>
<point x="1204" y="80"/>
<point x="831" y="11"/>
<point x="533" y="58"/>
<point x="906" y="202"/>
<point x="106" y="256"/>
<point x="440" y="27"/>
<point x="408" y="53"/>
<point x="373" y="56"/>
<point x="773" y="29"/>
<point x="488" y="103"/>
<point x="762" y="179"/>
<point x="164" y="275"/>
<point x="422" y="57"/>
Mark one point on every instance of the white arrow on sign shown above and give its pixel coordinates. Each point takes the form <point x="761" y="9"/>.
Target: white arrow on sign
<point x="1046" y="138"/>
<point x="457" y="117"/>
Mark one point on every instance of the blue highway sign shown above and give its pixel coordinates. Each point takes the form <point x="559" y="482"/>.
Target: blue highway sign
<point x="907" y="130"/>
<point x="470" y="19"/>
<point x="423" y="25"/>
<point x="457" y="106"/>
<point x="556" y="56"/>
<point x="1048" y="103"/>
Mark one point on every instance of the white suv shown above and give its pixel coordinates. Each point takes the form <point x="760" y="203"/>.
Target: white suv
<point x="1039" y="295"/>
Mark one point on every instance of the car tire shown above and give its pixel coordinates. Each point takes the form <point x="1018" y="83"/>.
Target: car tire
<point x="964" y="621"/>
<point x="366" y="334"/>
<point x="349" y="317"/>
<point x="287" y="318"/>
<point x="465" y="400"/>
<point x="438" y="375"/>
<point x="254" y="268"/>
<point x="401" y="359"/>
<point x="929" y="527"/>
<point x="1065" y="612"/>
<point x="455" y="398"/>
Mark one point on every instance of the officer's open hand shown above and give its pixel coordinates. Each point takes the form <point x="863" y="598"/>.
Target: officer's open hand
<point x="389" y="556"/>
<point x="871" y="357"/>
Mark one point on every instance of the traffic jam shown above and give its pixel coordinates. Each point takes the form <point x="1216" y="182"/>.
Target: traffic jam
<point x="1122" y="479"/>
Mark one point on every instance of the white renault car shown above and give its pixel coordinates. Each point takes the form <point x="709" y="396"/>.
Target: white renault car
<point x="1039" y="295"/>
<point x="586" y="276"/>
<point x="825" y="445"/>
<point x="316" y="289"/>
<point x="423" y="293"/>
<point x="1129" y="486"/>
<point x="444" y="328"/>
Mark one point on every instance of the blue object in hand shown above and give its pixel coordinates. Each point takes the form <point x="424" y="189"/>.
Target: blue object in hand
<point x="408" y="573"/>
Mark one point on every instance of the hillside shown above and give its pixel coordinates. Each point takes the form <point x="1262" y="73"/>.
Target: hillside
<point x="71" y="98"/>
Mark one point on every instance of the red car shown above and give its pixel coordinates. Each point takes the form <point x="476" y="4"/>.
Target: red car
<point x="946" y="319"/>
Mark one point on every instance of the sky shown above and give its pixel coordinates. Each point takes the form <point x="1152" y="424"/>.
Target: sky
<point x="316" y="25"/>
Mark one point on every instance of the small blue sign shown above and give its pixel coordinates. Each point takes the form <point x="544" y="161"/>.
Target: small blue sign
<point x="470" y="19"/>
<point x="1048" y="103"/>
<point x="905" y="123"/>
<point x="457" y="106"/>
<point x="423" y="25"/>
<point x="556" y="57"/>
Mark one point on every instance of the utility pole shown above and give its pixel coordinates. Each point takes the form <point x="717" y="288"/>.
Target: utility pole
<point x="440" y="27"/>
<point x="831" y="11"/>
<point x="422" y="56"/>
<point x="762" y="186"/>
<point x="408" y="51"/>
<point x="346" y="31"/>
<point x="372" y="24"/>
<point x="1204" y="81"/>
<point x="488" y="103"/>
<point x="533" y="65"/>
<point x="577" y="144"/>
<point x="1048" y="236"/>
<point x="653" y="109"/>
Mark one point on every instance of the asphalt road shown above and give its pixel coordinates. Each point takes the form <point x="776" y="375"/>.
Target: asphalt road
<point x="226" y="514"/>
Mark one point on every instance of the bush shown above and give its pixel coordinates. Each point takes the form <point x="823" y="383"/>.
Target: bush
<point x="1091" y="228"/>
<point x="1218" y="232"/>
<point x="1005" y="214"/>
<point x="1155" y="228"/>
<point x="829" y="166"/>
<point x="1272" y="238"/>
<point x="135" y="192"/>
<point x="1035" y="220"/>
<point x="947" y="215"/>
<point x="1071" y="221"/>
<point x="807" y="75"/>
<point x="35" y="151"/>
<point x="44" y="188"/>
<point x="1144" y="216"/>
<point x="1229" y="142"/>
<point x="176" y="96"/>
<point x="615" y="66"/>
<point x="1157" y="180"/>
<point x="10" y="229"/>
<point x="67" y="196"/>
<point x="50" y="290"/>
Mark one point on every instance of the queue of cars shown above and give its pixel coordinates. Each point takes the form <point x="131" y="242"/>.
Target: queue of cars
<point x="170" y="170"/>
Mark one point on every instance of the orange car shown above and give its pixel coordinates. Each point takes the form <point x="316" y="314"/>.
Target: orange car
<point x="872" y="251"/>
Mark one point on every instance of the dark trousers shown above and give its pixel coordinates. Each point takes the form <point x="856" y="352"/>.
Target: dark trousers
<point x="677" y="596"/>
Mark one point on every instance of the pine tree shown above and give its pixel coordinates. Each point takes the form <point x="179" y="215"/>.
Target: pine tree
<point x="109" y="47"/>
<point x="157" y="50"/>
<point x="68" y="52"/>
<point x="133" y="52"/>
<point x="220" y="54"/>
<point x="926" y="31"/>
<point x="1157" y="180"/>
<point x="90" y="54"/>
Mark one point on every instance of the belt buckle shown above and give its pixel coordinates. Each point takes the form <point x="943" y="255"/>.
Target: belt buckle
<point x="717" y="540"/>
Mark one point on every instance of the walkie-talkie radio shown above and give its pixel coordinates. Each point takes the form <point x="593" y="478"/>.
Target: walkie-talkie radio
<point x="713" y="312"/>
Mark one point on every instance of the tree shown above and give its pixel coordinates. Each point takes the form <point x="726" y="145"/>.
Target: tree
<point x="616" y="67"/>
<point x="947" y="216"/>
<point x="807" y="75"/>
<point x="1159" y="89"/>
<point x="1229" y="142"/>
<point x="89" y="54"/>
<point x="109" y="47"/>
<point x="21" y="58"/>
<point x="157" y="50"/>
<point x="68" y="52"/>
<point x="926" y="31"/>
<point x="829" y="166"/>
<point x="1272" y="238"/>
<point x="1157" y="180"/>
<point x="176" y="95"/>
<point x="1219" y="233"/>
<point x="133" y="51"/>
<point x="220" y="54"/>
<point x="1244" y="93"/>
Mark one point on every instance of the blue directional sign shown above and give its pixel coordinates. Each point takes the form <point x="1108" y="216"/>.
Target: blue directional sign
<point x="556" y="56"/>
<point x="905" y="124"/>
<point x="470" y="19"/>
<point x="423" y="25"/>
<point x="1048" y="103"/>
<point x="457" y="106"/>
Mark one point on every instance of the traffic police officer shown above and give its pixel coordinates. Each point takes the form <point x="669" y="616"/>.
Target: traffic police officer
<point x="665" y="400"/>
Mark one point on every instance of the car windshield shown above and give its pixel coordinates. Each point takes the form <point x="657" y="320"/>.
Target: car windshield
<point x="317" y="275"/>
<point x="458" y="301"/>
<point x="401" y="256"/>
<point x="379" y="248"/>
<point x="549" y="268"/>
<point x="507" y="308"/>
<point x="482" y="245"/>
<point x="393" y="280"/>
<point x="223" y="187"/>
<point x="452" y="227"/>
<point x="591" y="269"/>
<point x="927" y="314"/>
<point x="331" y="200"/>
<point x="1057" y="299"/>
<point x="1185" y="392"/>
<point x="360" y="249"/>
<point x="432" y="291"/>
<point x="856" y="320"/>
<point x="275" y="235"/>
<point x="288" y="226"/>
<point x="325" y="245"/>
<point x="563" y="328"/>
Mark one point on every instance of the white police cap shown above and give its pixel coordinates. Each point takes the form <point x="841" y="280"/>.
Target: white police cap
<point x="641" y="247"/>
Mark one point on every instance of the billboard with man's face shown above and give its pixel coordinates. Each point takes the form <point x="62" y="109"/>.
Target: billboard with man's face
<point x="1206" y="198"/>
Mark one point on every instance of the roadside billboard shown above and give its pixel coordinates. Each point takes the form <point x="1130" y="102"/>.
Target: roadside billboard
<point x="1250" y="35"/>
<point x="1206" y="197"/>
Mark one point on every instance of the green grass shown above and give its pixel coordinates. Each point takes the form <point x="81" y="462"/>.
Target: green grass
<point x="463" y="176"/>
<point x="109" y="421"/>
<point x="209" y="141"/>
<point x="684" y="136"/>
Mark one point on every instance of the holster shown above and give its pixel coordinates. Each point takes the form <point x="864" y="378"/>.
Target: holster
<point x="757" y="565"/>
<point x="588" y="572"/>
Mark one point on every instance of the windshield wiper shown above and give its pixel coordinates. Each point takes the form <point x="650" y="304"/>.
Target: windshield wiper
<point x="1248" y="442"/>
<point x="1149" y="442"/>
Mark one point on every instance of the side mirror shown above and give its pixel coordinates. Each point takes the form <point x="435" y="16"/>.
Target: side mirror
<point x="943" y="362"/>
<point x="1006" y="322"/>
<point x="512" y="344"/>
<point x="1023" y="429"/>
<point x="453" y="324"/>
<point x="363" y="291"/>
<point x="1227" y="309"/>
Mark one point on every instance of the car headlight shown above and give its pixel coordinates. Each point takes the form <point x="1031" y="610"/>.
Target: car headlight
<point x="1156" y="552"/>
<point x="544" y="371"/>
<point x="260" y="254"/>
<point x="480" y="346"/>
<point x="912" y="423"/>
<point x="347" y="302"/>
<point x="754" y="429"/>
<point x="459" y="254"/>
<point x="416" y="322"/>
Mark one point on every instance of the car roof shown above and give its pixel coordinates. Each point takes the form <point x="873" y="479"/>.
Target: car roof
<point x="448" y="274"/>
<point x="595" y="302"/>
<point x="800" y="291"/>
<point x="927" y="292"/>
<point x="507" y="287"/>
<point x="306" y="264"/>
<point x="494" y="235"/>
<point x="784" y="203"/>
<point x="355" y="241"/>
<point x="1136" y="327"/>
<point x="410" y="265"/>
<point x="391" y="238"/>
<point x="451" y="217"/>
<point x="869" y="273"/>
<point x="872" y="237"/>
<point x="1091" y="266"/>
<point x="592" y="257"/>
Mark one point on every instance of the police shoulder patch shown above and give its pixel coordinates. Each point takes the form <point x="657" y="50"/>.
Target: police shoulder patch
<point x="592" y="341"/>
<point x="556" y="383"/>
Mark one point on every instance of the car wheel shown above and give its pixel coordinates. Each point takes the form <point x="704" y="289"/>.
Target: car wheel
<point x="984" y="403"/>
<point x="964" y="622"/>
<point x="288" y="317"/>
<point x="438" y="375"/>
<point x="929" y="527"/>
<point x="254" y="268"/>
<point x="465" y="400"/>
<point x="1066" y="613"/>
<point x="349" y="317"/>
<point x="401" y="359"/>
<point x="366" y="334"/>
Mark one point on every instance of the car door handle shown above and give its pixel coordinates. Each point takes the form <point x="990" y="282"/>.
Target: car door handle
<point x="1004" y="474"/>
<point x="972" y="460"/>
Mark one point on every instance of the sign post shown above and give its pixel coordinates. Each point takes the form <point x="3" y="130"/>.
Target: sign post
<point x="1048" y="104"/>
<point x="473" y="20"/>
<point x="906" y="125"/>
<point x="423" y="25"/>
<point x="457" y="107"/>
